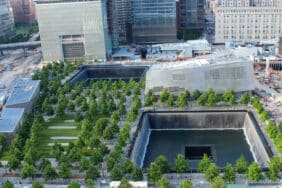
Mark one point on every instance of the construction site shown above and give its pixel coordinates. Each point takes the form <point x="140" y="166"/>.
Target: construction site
<point x="15" y="64"/>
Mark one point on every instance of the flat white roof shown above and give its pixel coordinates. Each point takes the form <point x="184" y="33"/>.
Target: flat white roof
<point x="123" y="52"/>
<point x="189" y="63"/>
<point x="197" y="41"/>
<point x="203" y="61"/>
<point x="193" y="44"/>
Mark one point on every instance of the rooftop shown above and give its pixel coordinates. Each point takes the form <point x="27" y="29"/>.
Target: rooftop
<point x="10" y="118"/>
<point x="123" y="52"/>
<point x="22" y="91"/>
<point x="199" y="44"/>
<point x="222" y="58"/>
<point x="193" y="44"/>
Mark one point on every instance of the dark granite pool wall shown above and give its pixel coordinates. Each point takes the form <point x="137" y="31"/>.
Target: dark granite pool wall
<point x="260" y="147"/>
<point x="141" y="140"/>
<point x="241" y="119"/>
<point x="106" y="72"/>
<point x="196" y="120"/>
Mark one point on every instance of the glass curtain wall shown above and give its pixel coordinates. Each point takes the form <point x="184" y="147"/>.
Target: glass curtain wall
<point x="154" y="21"/>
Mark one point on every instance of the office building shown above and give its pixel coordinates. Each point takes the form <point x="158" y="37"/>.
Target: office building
<point x="220" y="72"/>
<point x="74" y="30"/>
<point x="246" y="20"/>
<point x="121" y="22"/>
<point x="191" y="15"/>
<point x="7" y="25"/>
<point x="153" y="21"/>
<point x="24" y="11"/>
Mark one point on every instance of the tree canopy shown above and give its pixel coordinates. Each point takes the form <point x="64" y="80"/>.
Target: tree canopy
<point x="254" y="172"/>
<point x="186" y="184"/>
<point x="181" y="165"/>
<point x="204" y="163"/>
<point x="241" y="165"/>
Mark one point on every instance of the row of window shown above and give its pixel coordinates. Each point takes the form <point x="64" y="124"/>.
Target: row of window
<point x="249" y="37"/>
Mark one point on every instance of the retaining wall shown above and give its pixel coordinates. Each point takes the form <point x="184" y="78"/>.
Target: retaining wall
<point x="260" y="148"/>
<point x="241" y="119"/>
<point x="141" y="141"/>
<point x="106" y="72"/>
<point x="196" y="120"/>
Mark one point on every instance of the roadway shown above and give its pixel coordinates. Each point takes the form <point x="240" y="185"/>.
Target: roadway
<point x="20" y="45"/>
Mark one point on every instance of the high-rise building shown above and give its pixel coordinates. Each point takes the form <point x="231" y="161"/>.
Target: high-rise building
<point x="153" y="21"/>
<point x="248" y="20"/>
<point x="191" y="15"/>
<point x="121" y="22"/>
<point x="24" y="11"/>
<point x="7" y="25"/>
<point x="74" y="30"/>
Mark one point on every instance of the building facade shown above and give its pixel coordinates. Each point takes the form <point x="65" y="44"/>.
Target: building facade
<point x="221" y="74"/>
<point x="24" y="11"/>
<point x="248" y="20"/>
<point x="247" y="3"/>
<point x="153" y="21"/>
<point x="234" y="3"/>
<point x="7" y="25"/>
<point x="121" y="22"/>
<point x="72" y="31"/>
<point x="191" y="15"/>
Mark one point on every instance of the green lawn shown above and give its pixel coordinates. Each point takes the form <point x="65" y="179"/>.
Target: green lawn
<point x="46" y="134"/>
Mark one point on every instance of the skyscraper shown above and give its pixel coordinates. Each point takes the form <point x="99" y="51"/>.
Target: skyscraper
<point x="121" y="22"/>
<point x="248" y="20"/>
<point x="24" y="11"/>
<point x="73" y="30"/>
<point x="191" y="15"/>
<point x="7" y="25"/>
<point x="153" y="21"/>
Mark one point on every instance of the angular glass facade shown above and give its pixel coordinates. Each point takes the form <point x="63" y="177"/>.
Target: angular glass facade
<point x="154" y="21"/>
